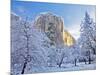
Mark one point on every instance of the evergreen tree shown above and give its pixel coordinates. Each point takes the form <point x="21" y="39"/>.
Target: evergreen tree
<point x="88" y="37"/>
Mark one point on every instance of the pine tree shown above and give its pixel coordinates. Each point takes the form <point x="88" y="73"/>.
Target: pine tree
<point x="88" y="37"/>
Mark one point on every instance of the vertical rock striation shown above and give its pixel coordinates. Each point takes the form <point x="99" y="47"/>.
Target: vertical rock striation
<point x="52" y="25"/>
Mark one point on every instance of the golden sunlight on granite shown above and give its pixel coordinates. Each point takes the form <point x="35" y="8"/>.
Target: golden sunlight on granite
<point x="68" y="38"/>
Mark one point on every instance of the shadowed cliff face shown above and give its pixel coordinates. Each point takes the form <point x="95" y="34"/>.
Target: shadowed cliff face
<point x="14" y="17"/>
<point x="52" y="25"/>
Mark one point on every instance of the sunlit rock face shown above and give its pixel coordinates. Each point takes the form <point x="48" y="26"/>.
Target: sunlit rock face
<point x="52" y="25"/>
<point x="68" y="38"/>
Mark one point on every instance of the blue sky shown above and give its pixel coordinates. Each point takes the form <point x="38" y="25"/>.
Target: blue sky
<point x="71" y="13"/>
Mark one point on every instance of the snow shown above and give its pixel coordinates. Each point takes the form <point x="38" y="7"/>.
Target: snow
<point x="34" y="47"/>
<point x="65" y="68"/>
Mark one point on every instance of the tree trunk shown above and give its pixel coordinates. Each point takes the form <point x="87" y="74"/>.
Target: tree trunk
<point x="60" y="65"/>
<point x="23" y="70"/>
<point x="75" y="61"/>
<point x="89" y="58"/>
<point x="85" y="60"/>
<point x="61" y="62"/>
<point x="94" y="51"/>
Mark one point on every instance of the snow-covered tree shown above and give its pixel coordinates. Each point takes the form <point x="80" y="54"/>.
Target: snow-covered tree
<point x="52" y="56"/>
<point x="88" y="37"/>
<point x="28" y="47"/>
<point x="62" y="53"/>
<point x="17" y="45"/>
<point x="75" y="53"/>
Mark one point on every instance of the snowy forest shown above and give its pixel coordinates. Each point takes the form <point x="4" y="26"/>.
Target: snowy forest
<point x="32" y="51"/>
